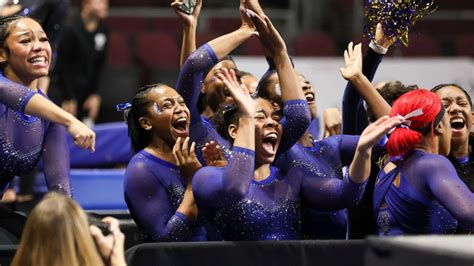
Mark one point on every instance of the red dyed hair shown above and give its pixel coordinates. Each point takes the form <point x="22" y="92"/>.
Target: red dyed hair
<point x="402" y="140"/>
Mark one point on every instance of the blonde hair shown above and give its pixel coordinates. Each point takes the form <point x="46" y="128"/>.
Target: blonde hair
<point x="57" y="233"/>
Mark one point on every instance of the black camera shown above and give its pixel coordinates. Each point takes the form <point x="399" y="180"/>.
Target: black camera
<point x="94" y="219"/>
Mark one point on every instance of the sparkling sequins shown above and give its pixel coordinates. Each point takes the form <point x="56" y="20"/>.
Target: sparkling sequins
<point x="175" y="194"/>
<point x="255" y="219"/>
<point x="398" y="17"/>
<point x="383" y="222"/>
<point x="20" y="154"/>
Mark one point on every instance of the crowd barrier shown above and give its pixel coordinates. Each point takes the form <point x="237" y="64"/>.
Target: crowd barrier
<point x="406" y="251"/>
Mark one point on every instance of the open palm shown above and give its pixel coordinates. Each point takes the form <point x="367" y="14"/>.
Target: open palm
<point x="353" y="60"/>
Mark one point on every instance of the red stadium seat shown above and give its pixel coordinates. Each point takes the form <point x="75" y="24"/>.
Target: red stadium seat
<point x="463" y="45"/>
<point x="157" y="50"/>
<point x="252" y="47"/>
<point x="224" y="25"/>
<point x="172" y="26"/>
<point x="314" y="44"/>
<point x="132" y="2"/>
<point x="205" y="37"/>
<point x="421" y="45"/>
<point x="118" y="50"/>
<point x="127" y="24"/>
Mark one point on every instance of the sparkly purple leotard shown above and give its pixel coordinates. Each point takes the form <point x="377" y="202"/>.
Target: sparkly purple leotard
<point x="296" y="112"/>
<point x="25" y="139"/>
<point x="324" y="159"/>
<point x="244" y="209"/>
<point x="153" y="191"/>
<point x="424" y="180"/>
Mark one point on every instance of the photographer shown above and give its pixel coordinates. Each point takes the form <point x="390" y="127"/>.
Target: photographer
<point x="57" y="232"/>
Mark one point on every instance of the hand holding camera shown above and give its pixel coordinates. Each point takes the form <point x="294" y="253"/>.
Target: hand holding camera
<point x="110" y="244"/>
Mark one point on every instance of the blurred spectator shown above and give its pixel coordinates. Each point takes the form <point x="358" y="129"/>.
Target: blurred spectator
<point x="57" y="232"/>
<point x="81" y="57"/>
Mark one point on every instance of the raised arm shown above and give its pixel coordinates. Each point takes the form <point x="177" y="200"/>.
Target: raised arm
<point x="193" y="71"/>
<point x="354" y="115"/>
<point x="219" y="187"/>
<point x="296" y="112"/>
<point x="353" y="73"/>
<point x="190" y="22"/>
<point x="332" y="193"/>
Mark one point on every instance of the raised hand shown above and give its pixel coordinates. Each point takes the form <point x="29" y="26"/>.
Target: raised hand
<point x="375" y="131"/>
<point x="239" y="92"/>
<point x="268" y="34"/>
<point x="381" y="39"/>
<point x="214" y="155"/>
<point x="246" y="21"/>
<point x="253" y="5"/>
<point x="186" y="159"/>
<point x="353" y="60"/>
<point x="332" y="122"/>
<point x="82" y="136"/>
<point x="188" y="19"/>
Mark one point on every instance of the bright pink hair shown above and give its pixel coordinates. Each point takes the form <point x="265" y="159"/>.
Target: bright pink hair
<point x="402" y="140"/>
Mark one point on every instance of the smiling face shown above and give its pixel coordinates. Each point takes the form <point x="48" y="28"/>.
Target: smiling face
<point x="309" y="94"/>
<point x="215" y="90"/>
<point x="168" y="116"/>
<point x="460" y="113"/>
<point x="268" y="131"/>
<point x="446" y="135"/>
<point x="27" y="52"/>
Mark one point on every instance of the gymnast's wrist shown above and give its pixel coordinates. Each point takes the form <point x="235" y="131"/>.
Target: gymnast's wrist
<point x="378" y="48"/>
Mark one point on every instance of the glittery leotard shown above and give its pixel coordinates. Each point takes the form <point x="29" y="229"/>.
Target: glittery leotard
<point x="153" y="191"/>
<point x="25" y="139"/>
<point x="245" y="209"/>
<point x="296" y="112"/>
<point x="424" y="179"/>
<point x="324" y="159"/>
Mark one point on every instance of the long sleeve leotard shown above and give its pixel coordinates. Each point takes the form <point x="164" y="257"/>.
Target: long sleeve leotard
<point x="154" y="190"/>
<point x="325" y="159"/>
<point x="406" y="206"/>
<point x="296" y="113"/>
<point x="354" y="121"/>
<point x="25" y="139"/>
<point x="245" y="209"/>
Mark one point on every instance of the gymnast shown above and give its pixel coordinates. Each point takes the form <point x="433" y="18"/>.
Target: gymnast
<point x="417" y="173"/>
<point x="251" y="200"/>
<point x="31" y="126"/>
<point x="158" y="178"/>
<point x="199" y="76"/>
<point x="458" y="105"/>
<point x="441" y="219"/>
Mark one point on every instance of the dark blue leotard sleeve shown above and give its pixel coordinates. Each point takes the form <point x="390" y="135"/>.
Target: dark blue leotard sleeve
<point x="56" y="159"/>
<point x="219" y="187"/>
<point x="295" y="122"/>
<point x="191" y="76"/>
<point x="151" y="206"/>
<point x="14" y="95"/>
<point x="329" y="194"/>
<point x="446" y="187"/>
